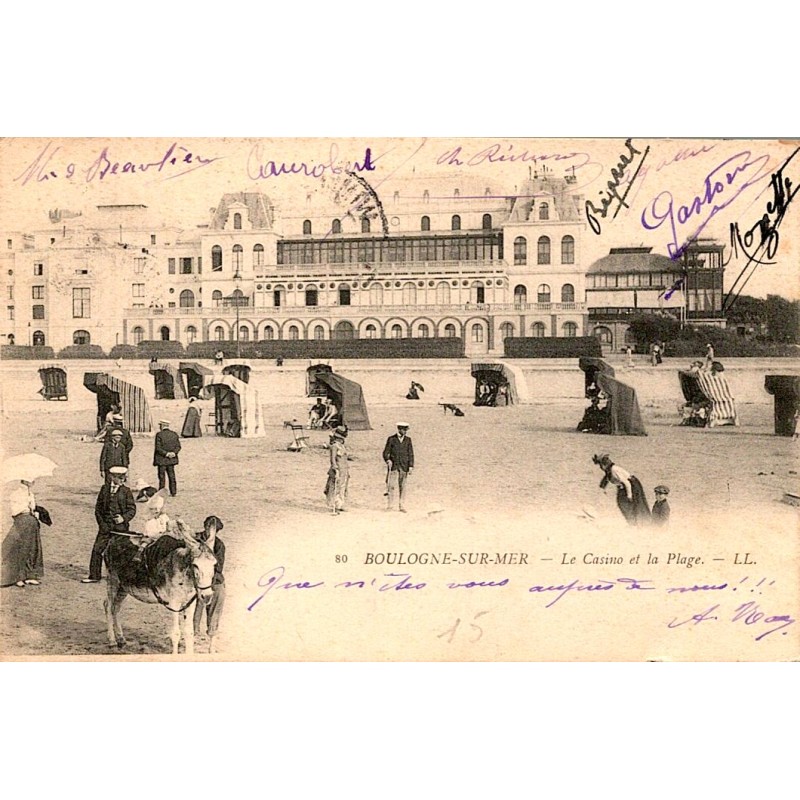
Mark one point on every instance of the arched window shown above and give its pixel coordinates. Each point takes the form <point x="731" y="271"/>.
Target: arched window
<point x="238" y="257"/>
<point x="38" y="338"/>
<point x="544" y="211"/>
<point x="376" y="294"/>
<point x="238" y="298"/>
<point x="455" y="223"/>
<point x="244" y="333"/>
<point x="306" y="227"/>
<point x="138" y="334"/>
<point x="477" y="333"/>
<point x="191" y="334"/>
<point x="567" y="293"/>
<point x="397" y="331"/>
<point x="570" y="329"/>
<point x="216" y="298"/>
<point x="425" y="224"/>
<point x="443" y="293"/>
<point x="538" y="330"/>
<point x="336" y="226"/>
<point x="409" y="294"/>
<point x="164" y="333"/>
<point x="370" y="331"/>
<point x="269" y="332"/>
<point x="294" y="333"/>
<point x="237" y="222"/>
<point x="364" y="224"/>
<point x="486" y="222"/>
<point x="219" y="333"/>
<point x="81" y="337"/>
<point x="506" y="330"/>
<point x="450" y="330"/>
<point x="520" y="250"/>
<point x="567" y="250"/>
<point x="216" y="258"/>
<point x="520" y="295"/>
<point x="423" y="331"/>
<point x="187" y="299"/>
<point x="603" y="334"/>
<point x="543" y="250"/>
<point x="543" y="293"/>
<point x="258" y="255"/>
<point x="319" y="332"/>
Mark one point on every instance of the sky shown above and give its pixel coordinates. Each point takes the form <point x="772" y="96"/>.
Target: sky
<point x="675" y="187"/>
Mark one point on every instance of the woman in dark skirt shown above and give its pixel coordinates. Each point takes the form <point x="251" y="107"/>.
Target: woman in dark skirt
<point x="631" y="499"/>
<point x="191" y="423"/>
<point x="22" y="547"/>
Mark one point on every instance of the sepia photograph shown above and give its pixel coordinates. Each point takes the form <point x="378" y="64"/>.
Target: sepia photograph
<point x="398" y="400"/>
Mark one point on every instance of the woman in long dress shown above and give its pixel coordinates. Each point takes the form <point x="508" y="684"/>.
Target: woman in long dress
<point x="338" y="472"/>
<point x="22" y="547"/>
<point x="191" y="423"/>
<point x="631" y="499"/>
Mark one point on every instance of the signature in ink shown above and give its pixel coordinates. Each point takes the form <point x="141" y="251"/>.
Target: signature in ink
<point x="258" y="169"/>
<point x="720" y="188"/>
<point x="749" y="613"/>
<point x="499" y="153"/>
<point x="611" y="194"/>
<point x="762" y="239"/>
<point x="175" y="157"/>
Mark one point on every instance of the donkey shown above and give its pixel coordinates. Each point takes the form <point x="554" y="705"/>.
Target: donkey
<point x="175" y="572"/>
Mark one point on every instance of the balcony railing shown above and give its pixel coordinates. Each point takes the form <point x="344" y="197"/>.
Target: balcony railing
<point x="357" y="310"/>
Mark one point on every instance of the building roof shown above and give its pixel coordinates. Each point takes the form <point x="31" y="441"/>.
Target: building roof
<point x="633" y="259"/>
<point x="260" y="211"/>
<point x="541" y="189"/>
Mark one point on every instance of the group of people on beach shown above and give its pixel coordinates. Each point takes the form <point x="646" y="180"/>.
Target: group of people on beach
<point x="115" y="508"/>
<point x="631" y="498"/>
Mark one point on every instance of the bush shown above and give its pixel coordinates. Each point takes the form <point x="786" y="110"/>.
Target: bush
<point x="552" y="347"/>
<point x="333" y="348"/>
<point x="733" y="347"/>
<point x="160" y="349"/>
<point x="9" y="351"/>
<point x="82" y="351"/>
<point x="124" y="351"/>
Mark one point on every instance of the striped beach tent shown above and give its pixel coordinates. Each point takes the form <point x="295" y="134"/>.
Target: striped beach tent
<point x="715" y="387"/>
<point x="167" y="382"/>
<point x="109" y="390"/>
<point x="237" y="407"/>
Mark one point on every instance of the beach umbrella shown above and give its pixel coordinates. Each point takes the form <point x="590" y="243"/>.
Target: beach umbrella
<point x="27" y="467"/>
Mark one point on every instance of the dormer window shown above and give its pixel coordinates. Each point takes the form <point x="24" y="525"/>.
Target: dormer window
<point x="237" y="222"/>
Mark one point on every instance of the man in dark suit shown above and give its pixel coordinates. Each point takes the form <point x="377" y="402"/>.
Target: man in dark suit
<point x="165" y="457"/>
<point x="114" y="453"/>
<point x="114" y="509"/>
<point x="399" y="457"/>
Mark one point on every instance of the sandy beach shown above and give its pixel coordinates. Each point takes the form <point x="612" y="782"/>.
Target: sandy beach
<point x="501" y="476"/>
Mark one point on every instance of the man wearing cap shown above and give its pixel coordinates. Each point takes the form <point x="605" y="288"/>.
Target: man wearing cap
<point x="660" y="512"/>
<point x="165" y="457"/>
<point x="211" y="528"/>
<point x="399" y="457"/>
<point x="114" y="509"/>
<point x="127" y="439"/>
<point x="114" y="453"/>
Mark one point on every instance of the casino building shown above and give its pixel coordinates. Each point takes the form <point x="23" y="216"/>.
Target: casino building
<point x="425" y="258"/>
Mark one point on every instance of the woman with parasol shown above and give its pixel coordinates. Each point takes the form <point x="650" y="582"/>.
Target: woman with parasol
<point x="22" y="560"/>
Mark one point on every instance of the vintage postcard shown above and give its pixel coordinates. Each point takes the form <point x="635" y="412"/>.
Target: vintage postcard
<point x="400" y="399"/>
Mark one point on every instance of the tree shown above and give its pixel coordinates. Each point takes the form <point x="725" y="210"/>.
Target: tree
<point x="649" y="328"/>
<point x="748" y="311"/>
<point x="783" y="319"/>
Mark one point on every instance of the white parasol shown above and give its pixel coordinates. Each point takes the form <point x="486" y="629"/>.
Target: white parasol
<point x="27" y="467"/>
